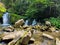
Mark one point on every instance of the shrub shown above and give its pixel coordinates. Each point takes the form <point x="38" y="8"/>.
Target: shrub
<point x="55" y="21"/>
<point x="15" y="17"/>
<point x="40" y="9"/>
<point x="2" y="7"/>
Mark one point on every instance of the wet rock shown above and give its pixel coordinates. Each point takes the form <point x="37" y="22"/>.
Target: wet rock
<point x="19" y="23"/>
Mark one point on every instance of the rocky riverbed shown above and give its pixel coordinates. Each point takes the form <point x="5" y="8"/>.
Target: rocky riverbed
<point x="20" y="34"/>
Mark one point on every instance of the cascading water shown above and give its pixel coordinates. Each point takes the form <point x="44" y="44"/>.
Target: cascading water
<point x="6" y="19"/>
<point x="34" y="22"/>
<point x="26" y="22"/>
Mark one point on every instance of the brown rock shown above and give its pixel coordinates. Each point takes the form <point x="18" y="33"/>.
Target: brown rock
<point x="47" y="23"/>
<point x="8" y="29"/>
<point x="48" y="36"/>
<point x="12" y="35"/>
<point x="52" y="29"/>
<point x="25" y="27"/>
<point x="19" y="23"/>
<point x="21" y="40"/>
<point x="57" y="41"/>
<point x="44" y="28"/>
<point x="32" y="40"/>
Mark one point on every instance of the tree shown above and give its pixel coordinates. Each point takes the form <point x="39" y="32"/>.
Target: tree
<point x="37" y="10"/>
<point x="2" y="7"/>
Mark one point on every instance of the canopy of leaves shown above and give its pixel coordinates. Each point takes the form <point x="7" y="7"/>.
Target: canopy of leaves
<point x="2" y="7"/>
<point x="37" y="9"/>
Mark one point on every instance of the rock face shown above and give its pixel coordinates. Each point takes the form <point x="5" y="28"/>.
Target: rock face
<point x="19" y="23"/>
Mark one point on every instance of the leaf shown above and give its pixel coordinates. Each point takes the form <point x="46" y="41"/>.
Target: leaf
<point x="2" y="7"/>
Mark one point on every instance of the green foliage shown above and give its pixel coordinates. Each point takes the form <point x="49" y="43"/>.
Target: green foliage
<point x="2" y="7"/>
<point x="16" y="6"/>
<point x="36" y="9"/>
<point x="1" y="15"/>
<point x="55" y="21"/>
<point x="15" y="17"/>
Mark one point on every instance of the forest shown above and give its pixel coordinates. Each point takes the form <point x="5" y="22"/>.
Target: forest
<point x="29" y="22"/>
<point x="40" y="10"/>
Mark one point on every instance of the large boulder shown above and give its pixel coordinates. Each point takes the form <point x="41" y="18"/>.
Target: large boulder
<point x="12" y="35"/>
<point x="19" y="23"/>
<point x="22" y="39"/>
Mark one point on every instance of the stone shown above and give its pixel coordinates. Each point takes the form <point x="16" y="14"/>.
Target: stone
<point x="26" y="38"/>
<point x="44" y="28"/>
<point x="57" y="41"/>
<point x="8" y="29"/>
<point x="57" y="31"/>
<point x="11" y="27"/>
<point x="12" y="35"/>
<point x="21" y="40"/>
<point x="52" y="29"/>
<point x="48" y="36"/>
<point x="19" y="23"/>
<point x="32" y="40"/>
<point x="25" y="27"/>
<point x="38" y="27"/>
<point x="47" y="23"/>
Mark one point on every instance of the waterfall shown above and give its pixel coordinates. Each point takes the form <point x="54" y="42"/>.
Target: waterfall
<point x="26" y="22"/>
<point x="34" y="22"/>
<point x="6" y="19"/>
